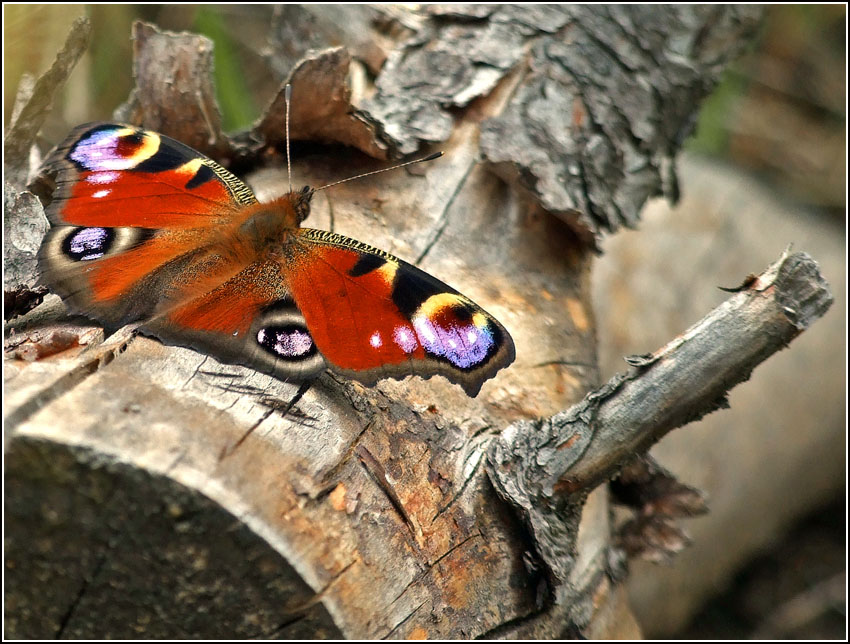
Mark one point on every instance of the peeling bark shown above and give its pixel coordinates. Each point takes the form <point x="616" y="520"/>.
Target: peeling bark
<point x="657" y="499"/>
<point x="174" y="91"/>
<point x="594" y="128"/>
<point x="321" y="107"/>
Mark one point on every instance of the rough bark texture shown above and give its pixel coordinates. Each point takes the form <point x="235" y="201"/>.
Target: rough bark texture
<point x="174" y="91"/>
<point x="321" y="108"/>
<point x="360" y="512"/>
<point x="594" y="128"/>
<point x="24" y="226"/>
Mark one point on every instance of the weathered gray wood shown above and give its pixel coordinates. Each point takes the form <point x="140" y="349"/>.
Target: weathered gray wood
<point x="24" y="226"/>
<point x="34" y="100"/>
<point x="754" y="462"/>
<point x="545" y="467"/>
<point x="691" y="375"/>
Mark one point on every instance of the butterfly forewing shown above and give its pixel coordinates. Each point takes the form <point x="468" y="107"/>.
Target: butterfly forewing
<point x="373" y="315"/>
<point x="129" y="211"/>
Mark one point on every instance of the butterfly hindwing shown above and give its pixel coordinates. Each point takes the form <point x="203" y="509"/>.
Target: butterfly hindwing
<point x="373" y="315"/>
<point x="129" y="209"/>
<point x="249" y="319"/>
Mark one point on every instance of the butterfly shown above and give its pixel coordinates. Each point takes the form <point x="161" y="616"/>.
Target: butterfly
<point x="146" y="230"/>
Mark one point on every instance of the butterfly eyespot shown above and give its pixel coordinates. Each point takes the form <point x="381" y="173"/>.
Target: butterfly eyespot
<point x="464" y="343"/>
<point x="111" y="148"/>
<point x="85" y="244"/>
<point x="65" y="247"/>
<point x="290" y="342"/>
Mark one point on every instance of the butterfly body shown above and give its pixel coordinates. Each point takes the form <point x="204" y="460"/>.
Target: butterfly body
<point x="146" y="230"/>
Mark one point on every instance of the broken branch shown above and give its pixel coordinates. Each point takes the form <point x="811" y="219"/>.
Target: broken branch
<point x="546" y="467"/>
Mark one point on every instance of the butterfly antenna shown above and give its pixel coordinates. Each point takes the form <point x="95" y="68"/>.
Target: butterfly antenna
<point x="430" y="157"/>
<point x="287" y="94"/>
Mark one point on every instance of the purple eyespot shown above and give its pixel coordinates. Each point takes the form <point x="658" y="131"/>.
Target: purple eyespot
<point x="290" y="342"/>
<point x="105" y="150"/>
<point x="463" y="344"/>
<point x="84" y="244"/>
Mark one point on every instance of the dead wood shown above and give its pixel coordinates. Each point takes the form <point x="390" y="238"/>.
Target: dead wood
<point x="545" y="467"/>
<point x="361" y="512"/>
<point x="24" y="226"/>
<point x="753" y="462"/>
<point x="32" y="103"/>
<point x="174" y="92"/>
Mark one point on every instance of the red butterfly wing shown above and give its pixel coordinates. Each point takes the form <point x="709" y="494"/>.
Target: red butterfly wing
<point x="249" y="319"/>
<point x="111" y="175"/>
<point x="374" y="316"/>
<point x="131" y="211"/>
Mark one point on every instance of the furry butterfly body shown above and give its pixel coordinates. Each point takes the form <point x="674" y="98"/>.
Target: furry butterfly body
<point x="145" y="229"/>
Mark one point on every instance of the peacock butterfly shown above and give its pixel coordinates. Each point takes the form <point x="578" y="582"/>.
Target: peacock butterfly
<point x="145" y="229"/>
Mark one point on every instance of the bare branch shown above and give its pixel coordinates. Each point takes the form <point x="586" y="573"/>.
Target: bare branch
<point x="545" y="468"/>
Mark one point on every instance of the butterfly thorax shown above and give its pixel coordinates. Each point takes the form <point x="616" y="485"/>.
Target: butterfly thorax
<point x="265" y="229"/>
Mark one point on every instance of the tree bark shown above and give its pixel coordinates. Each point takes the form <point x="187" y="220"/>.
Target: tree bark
<point x="215" y="509"/>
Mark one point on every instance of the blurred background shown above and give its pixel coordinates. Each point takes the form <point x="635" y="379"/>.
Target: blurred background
<point x="103" y="78"/>
<point x="769" y="155"/>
